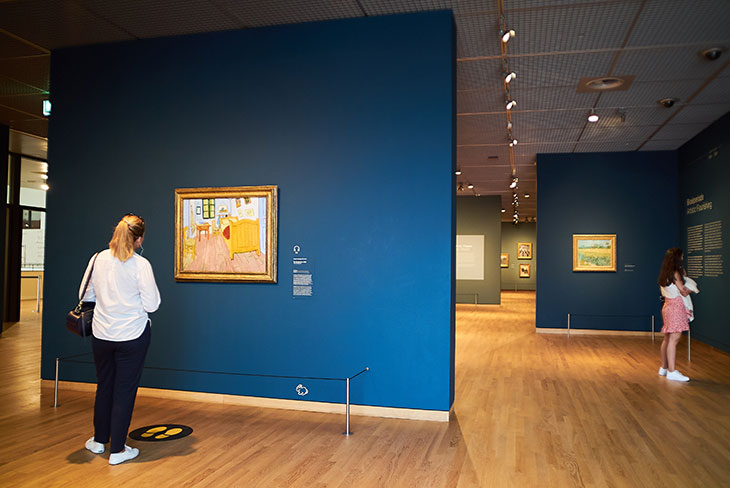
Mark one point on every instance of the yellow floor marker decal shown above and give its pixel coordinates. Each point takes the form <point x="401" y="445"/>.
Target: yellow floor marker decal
<point x="161" y="432"/>
<point x="153" y="431"/>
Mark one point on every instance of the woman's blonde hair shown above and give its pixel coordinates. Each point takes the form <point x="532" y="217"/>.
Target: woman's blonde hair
<point x="128" y="230"/>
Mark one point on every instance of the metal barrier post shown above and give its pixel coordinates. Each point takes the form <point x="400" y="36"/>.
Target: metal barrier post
<point x="652" y="328"/>
<point x="55" y="389"/>
<point x="689" y="346"/>
<point x="347" y="406"/>
<point x="38" y="295"/>
<point x="568" y="325"/>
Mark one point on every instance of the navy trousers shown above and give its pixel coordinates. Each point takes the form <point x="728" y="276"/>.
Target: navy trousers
<point x="118" y="370"/>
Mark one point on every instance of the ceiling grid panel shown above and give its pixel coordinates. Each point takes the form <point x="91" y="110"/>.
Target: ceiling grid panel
<point x="559" y="69"/>
<point x="668" y="22"/>
<point x="162" y="17"/>
<point x="262" y="13"/>
<point x="570" y="27"/>
<point x="666" y="64"/>
<point x="701" y="113"/>
<point x="54" y="24"/>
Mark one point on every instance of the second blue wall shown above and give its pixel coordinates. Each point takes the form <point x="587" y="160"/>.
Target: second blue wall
<point x="704" y="207"/>
<point x="352" y="120"/>
<point x="632" y="195"/>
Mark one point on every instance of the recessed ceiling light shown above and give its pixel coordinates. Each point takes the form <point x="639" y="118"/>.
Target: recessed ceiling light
<point x="503" y="210"/>
<point x="592" y="117"/>
<point x="457" y="172"/>
<point x="527" y="195"/>
<point x="469" y="185"/>
<point x="604" y="83"/>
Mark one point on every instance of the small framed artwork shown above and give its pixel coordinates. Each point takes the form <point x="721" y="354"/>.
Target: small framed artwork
<point x="504" y="260"/>
<point x="226" y="234"/>
<point x="524" y="270"/>
<point x="524" y="250"/>
<point x="594" y="252"/>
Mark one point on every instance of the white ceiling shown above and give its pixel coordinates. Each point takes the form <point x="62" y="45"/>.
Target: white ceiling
<point x="557" y="43"/>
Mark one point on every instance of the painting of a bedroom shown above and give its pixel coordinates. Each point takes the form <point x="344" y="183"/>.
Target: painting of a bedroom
<point x="224" y="235"/>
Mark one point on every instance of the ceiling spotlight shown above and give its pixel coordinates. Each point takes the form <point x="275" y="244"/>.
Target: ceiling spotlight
<point x="507" y="35"/>
<point x="460" y="187"/>
<point x="503" y="210"/>
<point x="44" y="187"/>
<point x="509" y="125"/>
<point x="510" y="104"/>
<point x="44" y="176"/>
<point x="513" y="142"/>
<point x="508" y="77"/>
<point x="592" y="117"/>
<point x="469" y="186"/>
<point x="457" y="172"/>
<point x="667" y="102"/>
<point x="514" y="182"/>
<point x="712" y="53"/>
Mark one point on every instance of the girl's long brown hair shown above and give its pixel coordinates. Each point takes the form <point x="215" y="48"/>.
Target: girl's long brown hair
<point x="128" y="230"/>
<point x="672" y="264"/>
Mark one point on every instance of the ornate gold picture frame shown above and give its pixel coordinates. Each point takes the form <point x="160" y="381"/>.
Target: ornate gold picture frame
<point x="226" y="234"/>
<point x="524" y="250"/>
<point x="594" y="252"/>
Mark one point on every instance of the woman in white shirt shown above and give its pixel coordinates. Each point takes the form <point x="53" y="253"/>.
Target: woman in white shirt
<point x="123" y="286"/>
<point x="674" y="313"/>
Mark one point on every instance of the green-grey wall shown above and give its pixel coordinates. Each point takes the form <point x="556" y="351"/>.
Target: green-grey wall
<point x="511" y="235"/>
<point x="481" y="216"/>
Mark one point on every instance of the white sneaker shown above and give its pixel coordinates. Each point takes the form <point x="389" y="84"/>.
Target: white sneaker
<point x="676" y="376"/>
<point x="662" y="371"/>
<point x="127" y="454"/>
<point x="93" y="446"/>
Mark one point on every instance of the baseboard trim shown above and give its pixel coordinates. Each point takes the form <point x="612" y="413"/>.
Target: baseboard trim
<point x="250" y="401"/>
<point x="639" y="333"/>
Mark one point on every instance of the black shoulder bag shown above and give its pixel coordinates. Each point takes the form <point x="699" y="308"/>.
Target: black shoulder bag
<point x="79" y="319"/>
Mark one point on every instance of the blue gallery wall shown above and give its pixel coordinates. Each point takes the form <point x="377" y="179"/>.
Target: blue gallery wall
<point x="352" y="119"/>
<point x="704" y="178"/>
<point x="632" y="195"/>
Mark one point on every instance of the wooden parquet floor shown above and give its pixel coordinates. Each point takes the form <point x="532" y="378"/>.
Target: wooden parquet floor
<point x="531" y="410"/>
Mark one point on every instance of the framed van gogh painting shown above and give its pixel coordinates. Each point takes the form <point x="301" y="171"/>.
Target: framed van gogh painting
<point x="524" y="250"/>
<point x="226" y="234"/>
<point x="594" y="252"/>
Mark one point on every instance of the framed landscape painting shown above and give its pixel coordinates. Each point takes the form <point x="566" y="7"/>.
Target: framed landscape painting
<point x="524" y="270"/>
<point x="524" y="250"/>
<point x="226" y="234"/>
<point x="594" y="252"/>
<point x="504" y="260"/>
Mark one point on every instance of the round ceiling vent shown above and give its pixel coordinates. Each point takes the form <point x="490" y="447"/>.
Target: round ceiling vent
<point x="606" y="83"/>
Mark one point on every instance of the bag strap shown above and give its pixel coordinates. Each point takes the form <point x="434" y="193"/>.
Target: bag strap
<point x="88" y="278"/>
